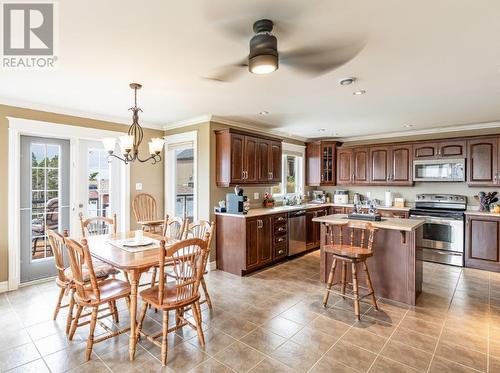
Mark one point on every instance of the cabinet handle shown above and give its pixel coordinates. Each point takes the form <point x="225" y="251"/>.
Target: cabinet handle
<point x="281" y="218"/>
<point x="281" y="252"/>
<point x="495" y="178"/>
<point x="281" y="239"/>
<point x="281" y="229"/>
<point x="322" y="177"/>
<point x="259" y="224"/>
<point x="272" y="175"/>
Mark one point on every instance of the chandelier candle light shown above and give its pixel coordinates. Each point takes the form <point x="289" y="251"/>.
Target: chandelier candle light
<point x="129" y="144"/>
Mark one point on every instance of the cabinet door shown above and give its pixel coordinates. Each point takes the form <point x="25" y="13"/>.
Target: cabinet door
<point x="483" y="161"/>
<point x="264" y="172"/>
<point x="361" y="165"/>
<point x="483" y="240"/>
<point x="317" y="228"/>
<point x="379" y="162"/>
<point x="252" y="240"/>
<point x="344" y="166"/>
<point x="310" y="237"/>
<point x="264" y="238"/>
<point x="237" y="158"/>
<point x="400" y="165"/>
<point x="452" y="149"/>
<point x="327" y="163"/>
<point x="275" y="162"/>
<point x="251" y="159"/>
<point x="425" y="150"/>
<point x="313" y="169"/>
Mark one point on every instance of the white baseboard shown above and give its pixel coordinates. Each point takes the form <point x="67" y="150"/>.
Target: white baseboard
<point x="213" y="266"/>
<point x="4" y="286"/>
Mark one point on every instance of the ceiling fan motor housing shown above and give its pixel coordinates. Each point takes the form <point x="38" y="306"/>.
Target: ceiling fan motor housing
<point x="263" y="49"/>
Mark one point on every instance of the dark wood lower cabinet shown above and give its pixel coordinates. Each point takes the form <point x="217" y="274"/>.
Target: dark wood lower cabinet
<point x="482" y="246"/>
<point x="247" y="244"/>
<point x="313" y="238"/>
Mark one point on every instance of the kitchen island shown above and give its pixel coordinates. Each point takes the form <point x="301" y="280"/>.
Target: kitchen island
<point x="396" y="265"/>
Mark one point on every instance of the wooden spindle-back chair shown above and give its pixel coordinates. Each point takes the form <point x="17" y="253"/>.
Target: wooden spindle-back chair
<point x="356" y="248"/>
<point x="203" y="229"/>
<point x="175" y="227"/>
<point x="186" y="259"/>
<point x="56" y="242"/>
<point x="145" y="209"/>
<point x="93" y="294"/>
<point x="97" y="225"/>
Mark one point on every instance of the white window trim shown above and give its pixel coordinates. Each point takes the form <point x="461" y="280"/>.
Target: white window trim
<point x="185" y="137"/>
<point x="18" y="127"/>
<point x="300" y="150"/>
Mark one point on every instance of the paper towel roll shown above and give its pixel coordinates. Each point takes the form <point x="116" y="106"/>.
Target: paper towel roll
<point x="388" y="199"/>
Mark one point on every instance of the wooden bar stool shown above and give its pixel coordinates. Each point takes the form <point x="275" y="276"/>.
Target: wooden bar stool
<point x="357" y="251"/>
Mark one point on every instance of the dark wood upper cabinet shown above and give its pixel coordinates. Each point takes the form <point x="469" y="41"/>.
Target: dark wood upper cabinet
<point x="440" y="149"/>
<point x="243" y="158"/>
<point x="400" y="162"/>
<point x="251" y="165"/>
<point x="275" y="161"/>
<point x="379" y="163"/>
<point x="313" y="168"/>
<point x="483" y="161"/>
<point x="482" y="245"/>
<point x="361" y="160"/>
<point x="344" y="166"/>
<point x="321" y="162"/>
<point x="264" y="161"/>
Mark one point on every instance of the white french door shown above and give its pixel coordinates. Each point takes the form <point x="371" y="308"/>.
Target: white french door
<point x="57" y="172"/>
<point x="100" y="191"/>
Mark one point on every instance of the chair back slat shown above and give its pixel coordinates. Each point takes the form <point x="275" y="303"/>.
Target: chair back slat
<point x="144" y="207"/>
<point x="174" y="227"/>
<point x="186" y="259"/>
<point x="81" y="261"/>
<point x="204" y="230"/>
<point x="57" y="244"/>
<point x="97" y="225"/>
<point x="361" y="234"/>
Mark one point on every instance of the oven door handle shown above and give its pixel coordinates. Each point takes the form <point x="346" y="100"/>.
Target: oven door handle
<point x="434" y="219"/>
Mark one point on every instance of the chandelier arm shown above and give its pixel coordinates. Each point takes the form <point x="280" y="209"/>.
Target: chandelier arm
<point x="155" y="158"/>
<point x="126" y="159"/>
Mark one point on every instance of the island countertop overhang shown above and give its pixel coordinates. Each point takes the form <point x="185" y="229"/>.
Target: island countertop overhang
<point x="406" y="225"/>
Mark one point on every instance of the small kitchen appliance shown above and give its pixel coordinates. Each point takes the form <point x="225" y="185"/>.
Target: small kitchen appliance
<point x="235" y="202"/>
<point x="319" y="196"/>
<point x="341" y="197"/>
<point x="442" y="237"/>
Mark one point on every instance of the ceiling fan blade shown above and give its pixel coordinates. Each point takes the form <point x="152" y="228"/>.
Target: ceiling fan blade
<point x="227" y="73"/>
<point x="319" y="60"/>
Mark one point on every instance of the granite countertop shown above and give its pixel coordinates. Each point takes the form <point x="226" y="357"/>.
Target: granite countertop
<point x="407" y="225"/>
<point x="482" y="213"/>
<point x="307" y="206"/>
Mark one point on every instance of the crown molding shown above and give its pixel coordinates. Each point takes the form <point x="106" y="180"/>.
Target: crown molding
<point x="255" y="127"/>
<point x="74" y="113"/>
<point x="188" y="122"/>
<point x="429" y="131"/>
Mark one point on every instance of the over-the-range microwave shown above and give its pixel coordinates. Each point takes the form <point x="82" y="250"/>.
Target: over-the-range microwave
<point x="439" y="169"/>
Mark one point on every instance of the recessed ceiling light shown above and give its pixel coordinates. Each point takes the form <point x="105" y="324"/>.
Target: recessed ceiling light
<point x="322" y="130"/>
<point x="360" y="92"/>
<point x="347" y="81"/>
<point x="408" y="125"/>
<point x="263" y="112"/>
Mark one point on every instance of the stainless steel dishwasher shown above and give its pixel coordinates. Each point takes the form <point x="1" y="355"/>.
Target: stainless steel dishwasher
<point x="296" y="232"/>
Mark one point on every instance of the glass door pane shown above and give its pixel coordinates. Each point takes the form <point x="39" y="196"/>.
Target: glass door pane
<point x="44" y="199"/>
<point x="184" y="181"/>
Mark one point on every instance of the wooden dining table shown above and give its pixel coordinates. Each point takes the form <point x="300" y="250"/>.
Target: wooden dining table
<point x="105" y="248"/>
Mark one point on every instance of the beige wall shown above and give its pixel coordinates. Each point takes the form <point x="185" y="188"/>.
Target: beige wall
<point x="150" y="176"/>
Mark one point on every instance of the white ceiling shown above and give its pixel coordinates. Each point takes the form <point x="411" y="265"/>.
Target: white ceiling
<point x="429" y="63"/>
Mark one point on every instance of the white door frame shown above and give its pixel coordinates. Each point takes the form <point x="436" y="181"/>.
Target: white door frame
<point x="18" y="127"/>
<point x="191" y="136"/>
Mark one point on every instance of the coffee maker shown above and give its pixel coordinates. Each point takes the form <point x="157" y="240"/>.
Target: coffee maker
<point x="235" y="202"/>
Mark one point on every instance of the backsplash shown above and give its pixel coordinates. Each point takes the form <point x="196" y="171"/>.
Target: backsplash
<point x="409" y="192"/>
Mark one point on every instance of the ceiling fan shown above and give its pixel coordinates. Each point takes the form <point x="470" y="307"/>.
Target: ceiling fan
<point x="264" y="57"/>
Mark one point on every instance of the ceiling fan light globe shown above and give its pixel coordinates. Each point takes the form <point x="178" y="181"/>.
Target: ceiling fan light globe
<point x="263" y="64"/>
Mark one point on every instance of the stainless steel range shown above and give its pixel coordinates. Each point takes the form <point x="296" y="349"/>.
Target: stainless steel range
<point x="442" y="237"/>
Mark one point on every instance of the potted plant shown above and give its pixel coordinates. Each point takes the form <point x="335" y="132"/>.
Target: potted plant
<point x="268" y="200"/>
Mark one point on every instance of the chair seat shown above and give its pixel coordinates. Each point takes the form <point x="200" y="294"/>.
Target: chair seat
<point x="109" y="290"/>
<point x="348" y="251"/>
<point x="101" y="270"/>
<point x="169" y="297"/>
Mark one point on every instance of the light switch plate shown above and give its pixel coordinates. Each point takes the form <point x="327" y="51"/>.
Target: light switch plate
<point x="138" y="186"/>
<point x="256" y="196"/>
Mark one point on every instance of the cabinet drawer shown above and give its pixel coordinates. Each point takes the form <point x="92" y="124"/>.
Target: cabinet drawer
<point x="280" y="251"/>
<point x="280" y="218"/>
<point x="280" y="229"/>
<point x="280" y="240"/>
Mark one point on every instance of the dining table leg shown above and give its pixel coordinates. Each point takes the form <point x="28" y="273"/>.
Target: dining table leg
<point x="134" y="277"/>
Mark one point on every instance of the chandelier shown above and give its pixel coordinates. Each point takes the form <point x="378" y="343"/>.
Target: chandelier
<point x="129" y="144"/>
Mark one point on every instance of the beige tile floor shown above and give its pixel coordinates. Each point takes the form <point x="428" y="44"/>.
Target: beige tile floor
<point x="274" y="321"/>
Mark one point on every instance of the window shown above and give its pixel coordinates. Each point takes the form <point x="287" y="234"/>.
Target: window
<point x="98" y="183"/>
<point x="292" y="178"/>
